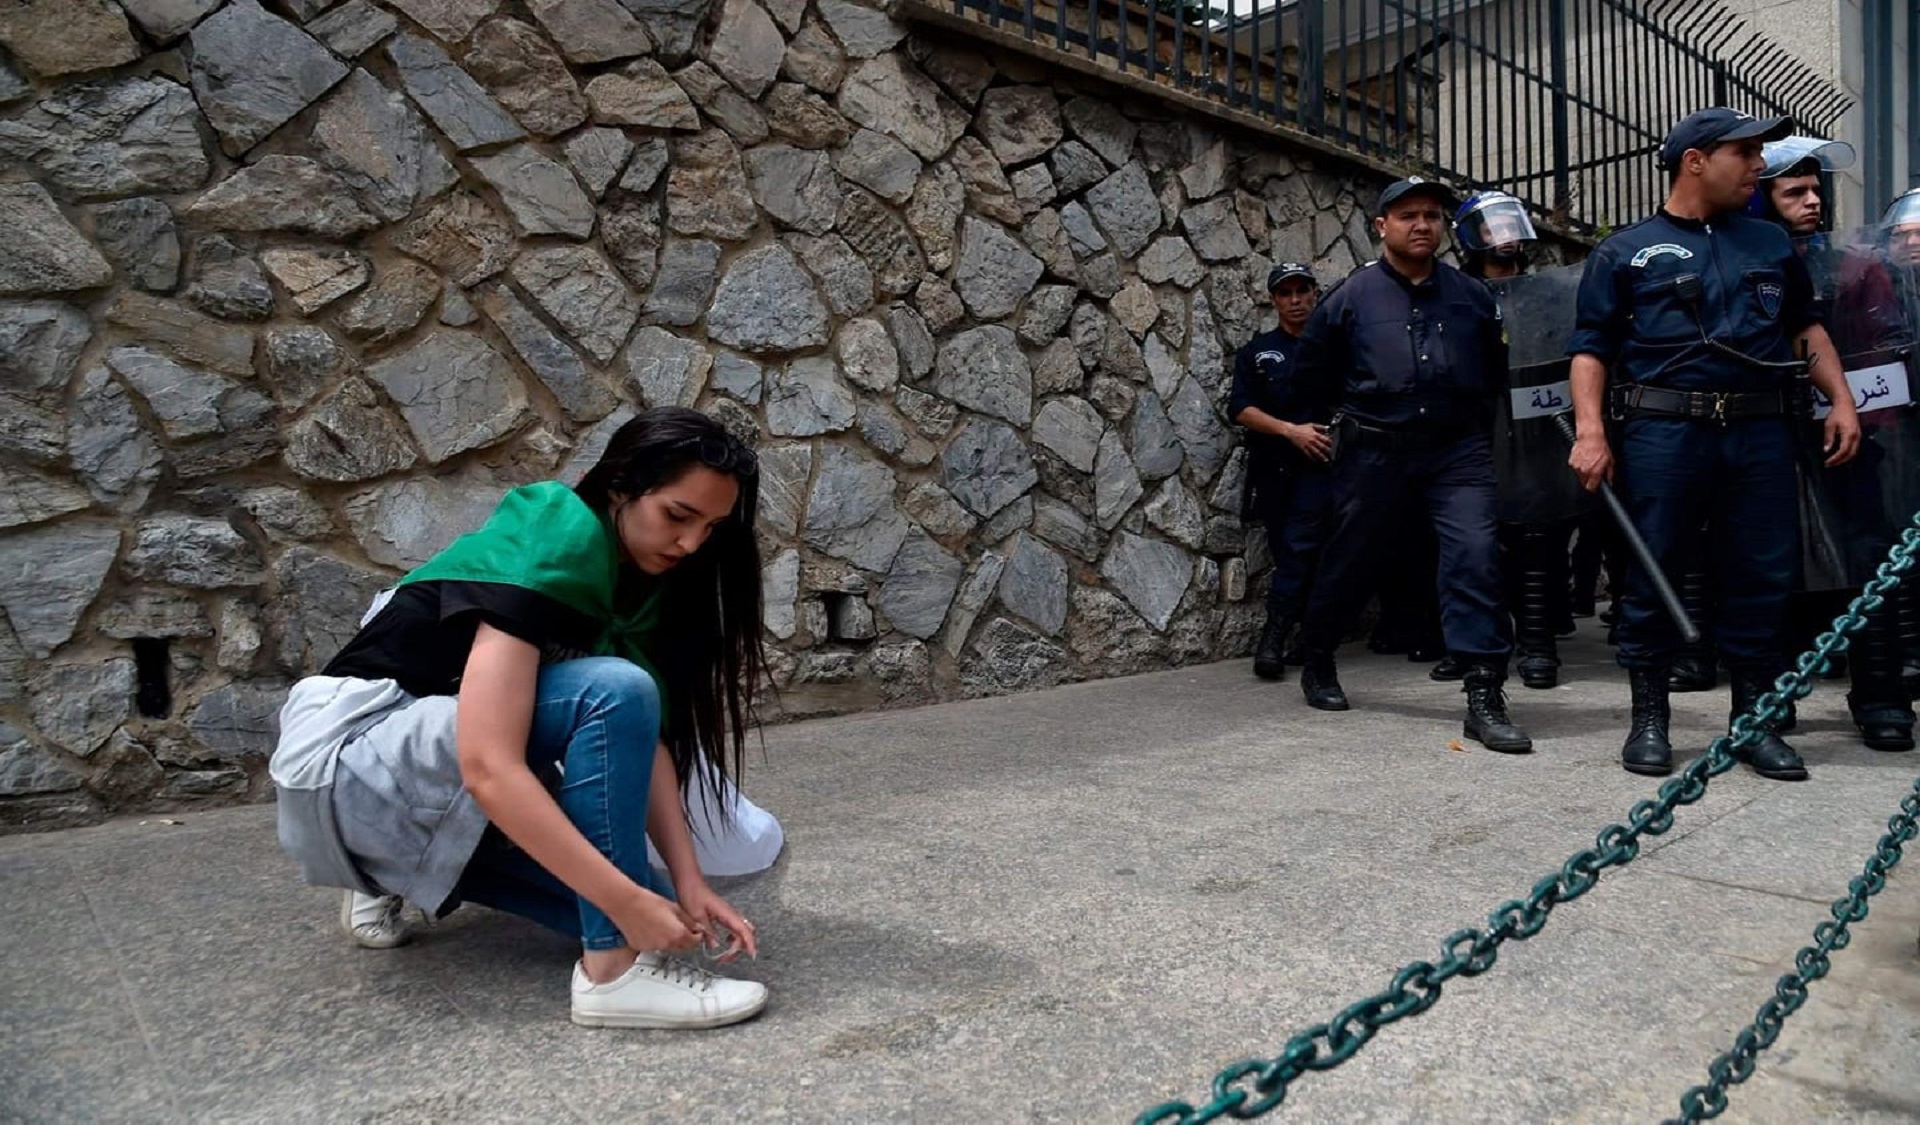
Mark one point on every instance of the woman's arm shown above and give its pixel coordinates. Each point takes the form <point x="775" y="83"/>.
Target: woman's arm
<point x="494" y="719"/>
<point x="667" y="828"/>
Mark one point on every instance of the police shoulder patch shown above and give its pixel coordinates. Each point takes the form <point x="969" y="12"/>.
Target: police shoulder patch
<point x="1276" y="357"/>
<point x="1649" y="253"/>
<point x="1770" y="294"/>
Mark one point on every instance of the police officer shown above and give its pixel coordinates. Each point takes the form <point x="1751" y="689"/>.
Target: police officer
<point x="1898" y="242"/>
<point x="1411" y="353"/>
<point x="1696" y="315"/>
<point x="1492" y="230"/>
<point x="1901" y="229"/>
<point x="1789" y="189"/>
<point x="1287" y="448"/>
<point x="1789" y="195"/>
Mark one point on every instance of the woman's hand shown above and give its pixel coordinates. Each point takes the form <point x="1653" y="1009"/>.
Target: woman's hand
<point x="651" y="922"/>
<point x="711" y="913"/>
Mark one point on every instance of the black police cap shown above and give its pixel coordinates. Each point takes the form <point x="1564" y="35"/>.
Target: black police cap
<point x="1713" y="126"/>
<point x="1399" y="189"/>
<point x="1287" y="271"/>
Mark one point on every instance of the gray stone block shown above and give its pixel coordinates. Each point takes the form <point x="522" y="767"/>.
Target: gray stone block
<point x="667" y="370"/>
<point x="1153" y="576"/>
<point x="380" y="146"/>
<point x="1034" y="584"/>
<point x="455" y="392"/>
<point x="40" y="341"/>
<point x="284" y="193"/>
<point x="579" y="391"/>
<point x="541" y="194"/>
<point x="200" y="554"/>
<point x="103" y="140"/>
<point x="139" y="238"/>
<point x="850" y="510"/>
<point x="987" y="467"/>
<point x="767" y="303"/>
<point x="807" y="397"/>
<point x="45" y="253"/>
<point x="252" y="71"/>
<point x="455" y="102"/>
<point x="984" y="369"/>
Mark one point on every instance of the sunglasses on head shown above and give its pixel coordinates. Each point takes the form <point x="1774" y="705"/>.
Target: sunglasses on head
<point x="723" y="454"/>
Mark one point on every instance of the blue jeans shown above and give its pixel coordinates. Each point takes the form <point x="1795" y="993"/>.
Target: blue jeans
<point x="598" y="719"/>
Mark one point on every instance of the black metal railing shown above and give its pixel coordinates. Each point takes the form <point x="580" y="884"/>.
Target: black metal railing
<point x="1561" y="102"/>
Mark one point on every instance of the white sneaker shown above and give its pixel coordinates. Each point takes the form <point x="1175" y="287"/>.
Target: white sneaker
<point x="375" y="921"/>
<point x="663" y="992"/>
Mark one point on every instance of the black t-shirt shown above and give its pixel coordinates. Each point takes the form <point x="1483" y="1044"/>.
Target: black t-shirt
<point x="422" y="637"/>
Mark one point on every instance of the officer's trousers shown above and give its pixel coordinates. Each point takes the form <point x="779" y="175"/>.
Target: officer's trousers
<point x="1678" y="476"/>
<point x="1449" y="482"/>
<point x="1295" y="504"/>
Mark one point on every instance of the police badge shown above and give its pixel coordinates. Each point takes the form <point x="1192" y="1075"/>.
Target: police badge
<point x="1770" y="293"/>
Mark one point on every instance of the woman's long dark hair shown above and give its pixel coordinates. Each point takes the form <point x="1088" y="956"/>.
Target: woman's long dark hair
<point x="709" y="657"/>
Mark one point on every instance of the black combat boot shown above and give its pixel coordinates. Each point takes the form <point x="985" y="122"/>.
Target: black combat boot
<point x="1769" y="755"/>
<point x="1320" y="683"/>
<point x="1270" y="655"/>
<point x="1451" y="669"/>
<point x="1487" y="721"/>
<point x="1648" y="749"/>
<point x="1885" y="723"/>
<point x="1878" y="702"/>
<point x="1539" y="662"/>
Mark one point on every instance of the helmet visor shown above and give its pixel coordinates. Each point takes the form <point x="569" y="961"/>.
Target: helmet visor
<point x="1497" y="222"/>
<point x="1781" y="155"/>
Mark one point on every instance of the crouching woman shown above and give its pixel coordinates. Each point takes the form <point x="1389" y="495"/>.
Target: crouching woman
<point x="529" y="706"/>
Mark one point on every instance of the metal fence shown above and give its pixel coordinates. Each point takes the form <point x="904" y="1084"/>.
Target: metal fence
<point x="1561" y="102"/>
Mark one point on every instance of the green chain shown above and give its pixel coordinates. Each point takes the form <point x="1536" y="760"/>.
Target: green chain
<point x="1702" y="1103"/>
<point x="1255" y="1087"/>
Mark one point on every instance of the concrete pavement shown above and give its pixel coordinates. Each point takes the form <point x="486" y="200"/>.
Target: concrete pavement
<point x="1062" y="906"/>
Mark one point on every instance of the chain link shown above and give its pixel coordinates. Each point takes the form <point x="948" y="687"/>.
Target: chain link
<point x="1708" y="1101"/>
<point x="1254" y="1087"/>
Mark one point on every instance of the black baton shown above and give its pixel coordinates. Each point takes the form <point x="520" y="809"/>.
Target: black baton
<point x="1689" y="632"/>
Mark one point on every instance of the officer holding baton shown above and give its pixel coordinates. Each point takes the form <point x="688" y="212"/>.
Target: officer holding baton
<point x="1696" y="317"/>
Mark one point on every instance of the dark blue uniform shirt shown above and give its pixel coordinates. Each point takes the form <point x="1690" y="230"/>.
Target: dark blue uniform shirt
<point x="1755" y="296"/>
<point x="1422" y="356"/>
<point x="1264" y="377"/>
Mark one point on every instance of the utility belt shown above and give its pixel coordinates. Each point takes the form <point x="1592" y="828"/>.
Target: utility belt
<point x="1349" y="431"/>
<point x="1636" y="400"/>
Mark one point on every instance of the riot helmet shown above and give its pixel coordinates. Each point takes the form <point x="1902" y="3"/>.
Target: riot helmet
<point x="1492" y="221"/>
<point x="1900" y="230"/>
<point x="1492" y="226"/>
<point x="1792" y="158"/>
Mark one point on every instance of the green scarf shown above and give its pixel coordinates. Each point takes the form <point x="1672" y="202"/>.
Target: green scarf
<point x="544" y="538"/>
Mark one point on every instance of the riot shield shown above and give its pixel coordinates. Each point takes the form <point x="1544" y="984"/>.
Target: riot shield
<point x="1850" y="514"/>
<point x="1537" y="488"/>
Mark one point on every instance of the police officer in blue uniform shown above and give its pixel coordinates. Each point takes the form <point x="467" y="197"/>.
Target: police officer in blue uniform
<point x="1287" y="447"/>
<point x="1411" y="352"/>
<point x="1695" y="316"/>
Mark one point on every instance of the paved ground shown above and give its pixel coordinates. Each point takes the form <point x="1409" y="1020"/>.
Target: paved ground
<point x="1063" y="906"/>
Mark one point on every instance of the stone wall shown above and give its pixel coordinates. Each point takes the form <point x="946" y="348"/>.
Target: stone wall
<point x="294" y="292"/>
